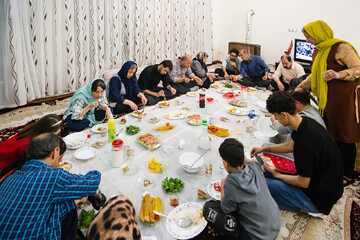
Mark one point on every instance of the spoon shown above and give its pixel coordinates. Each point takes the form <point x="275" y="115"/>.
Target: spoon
<point x="195" y="160"/>
<point x="181" y="222"/>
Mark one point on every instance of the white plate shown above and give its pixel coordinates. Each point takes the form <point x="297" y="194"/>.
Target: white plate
<point x="163" y="124"/>
<point x="152" y="194"/>
<point x="215" y="85"/>
<point x="264" y="126"/>
<point x="194" y="122"/>
<point x="191" y="94"/>
<point x="238" y="111"/>
<point x="163" y="104"/>
<point x="97" y="128"/>
<point x="251" y="89"/>
<point x="66" y="165"/>
<point x="192" y="210"/>
<point x="136" y="114"/>
<point x="223" y="90"/>
<point x="262" y="106"/>
<point x="176" y="115"/>
<point x="258" y="135"/>
<point x="211" y="191"/>
<point x="85" y="153"/>
<point x="75" y="140"/>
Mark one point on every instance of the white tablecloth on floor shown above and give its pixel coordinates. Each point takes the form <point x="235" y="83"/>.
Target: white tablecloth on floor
<point x="114" y="181"/>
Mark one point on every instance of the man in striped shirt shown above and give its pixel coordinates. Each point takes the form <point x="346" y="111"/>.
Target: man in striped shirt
<point x="36" y="200"/>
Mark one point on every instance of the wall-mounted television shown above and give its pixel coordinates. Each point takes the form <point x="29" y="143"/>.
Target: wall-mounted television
<point x="303" y="51"/>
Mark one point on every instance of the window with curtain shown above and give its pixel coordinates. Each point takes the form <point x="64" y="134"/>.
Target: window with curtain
<point x="51" y="47"/>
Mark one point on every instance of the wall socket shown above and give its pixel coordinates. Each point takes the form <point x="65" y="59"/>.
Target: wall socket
<point x="292" y="30"/>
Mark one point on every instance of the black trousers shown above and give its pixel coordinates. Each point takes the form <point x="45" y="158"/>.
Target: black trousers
<point x="183" y="88"/>
<point x="226" y="224"/>
<point x="254" y="81"/>
<point x="122" y="108"/>
<point x="221" y="73"/>
<point x="348" y="154"/>
<point x="293" y="84"/>
<point x="152" y="100"/>
<point x="69" y="226"/>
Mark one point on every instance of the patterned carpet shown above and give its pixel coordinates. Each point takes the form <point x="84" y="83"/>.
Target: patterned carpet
<point x="342" y="223"/>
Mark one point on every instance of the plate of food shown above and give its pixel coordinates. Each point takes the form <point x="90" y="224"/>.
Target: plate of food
<point x="264" y="125"/>
<point x="229" y="95"/>
<point x="163" y="104"/>
<point x="190" y="210"/>
<point x="175" y="115"/>
<point x="149" y="141"/>
<point x="155" y="165"/>
<point x="223" y="90"/>
<point x="215" y="85"/>
<point x="191" y="94"/>
<point x="214" y="189"/>
<point x="66" y="165"/>
<point x="154" y="120"/>
<point x="238" y="111"/>
<point x="164" y="126"/>
<point x="131" y="129"/>
<point x="150" y="202"/>
<point x="97" y="128"/>
<point x="238" y="102"/>
<point x="75" y="140"/>
<point x="195" y="119"/>
<point x="85" y="153"/>
<point x="217" y="131"/>
<point x="139" y="113"/>
<point x="251" y="89"/>
<point x="172" y="185"/>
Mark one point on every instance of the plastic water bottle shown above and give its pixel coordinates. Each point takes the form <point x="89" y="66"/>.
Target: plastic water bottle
<point x="204" y="141"/>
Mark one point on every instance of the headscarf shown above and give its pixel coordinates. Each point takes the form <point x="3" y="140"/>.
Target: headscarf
<point x="128" y="82"/>
<point x="324" y="36"/>
<point x="85" y="94"/>
<point x="199" y="57"/>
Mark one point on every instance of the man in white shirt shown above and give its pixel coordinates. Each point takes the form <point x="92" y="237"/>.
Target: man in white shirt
<point x="230" y="65"/>
<point x="291" y="73"/>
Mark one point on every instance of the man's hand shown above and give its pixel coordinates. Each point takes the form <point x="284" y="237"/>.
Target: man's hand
<point x="264" y="78"/>
<point x="331" y="74"/>
<point x="198" y="80"/>
<point x="280" y="86"/>
<point x="94" y="105"/>
<point x="172" y="90"/>
<point x="144" y="99"/>
<point x="226" y="76"/>
<point x="288" y="79"/>
<point x="256" y="150"/>
<point x="186" y="80"/>
<point x="160" y="93"/>
<point x="233" y="64"/>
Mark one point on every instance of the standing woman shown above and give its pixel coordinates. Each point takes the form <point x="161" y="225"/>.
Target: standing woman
<point x="88" y="106"/>
<point x="124" y="91"/>
<point x="334" y="80"/>
<point x="199" y="68"/>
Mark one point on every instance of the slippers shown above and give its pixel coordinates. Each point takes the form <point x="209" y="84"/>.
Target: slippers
<point x="348" y="181"/>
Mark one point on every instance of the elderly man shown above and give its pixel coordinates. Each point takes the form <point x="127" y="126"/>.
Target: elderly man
<point x="37" y="201"/>
<point x="230" y="65"/>
<point x="182" y="76"/>
<point x="292" y="74"/>
<point x="254" y="71"/>
<point x="150" y="78"/>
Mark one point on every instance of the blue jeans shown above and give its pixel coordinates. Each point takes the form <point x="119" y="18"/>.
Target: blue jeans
<point x="289" y="197"/>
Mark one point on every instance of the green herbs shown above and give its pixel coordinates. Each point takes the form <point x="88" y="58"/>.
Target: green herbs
<point x="172" y="185"/>
<point x="86" y="218"/>
<point x="228" y="85"/>
<point x="131" y="130"/>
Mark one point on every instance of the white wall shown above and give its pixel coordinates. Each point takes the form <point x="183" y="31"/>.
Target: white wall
<point x="273" y="19"/>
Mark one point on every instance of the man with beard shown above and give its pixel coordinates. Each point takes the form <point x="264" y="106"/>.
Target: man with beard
<point x="292" y="74"/>
<point x="230" y="65"/>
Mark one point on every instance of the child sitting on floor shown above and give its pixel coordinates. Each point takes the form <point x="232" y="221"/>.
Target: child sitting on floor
<point x="246" y="209"/>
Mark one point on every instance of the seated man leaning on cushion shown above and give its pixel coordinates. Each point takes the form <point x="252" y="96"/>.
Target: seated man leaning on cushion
<point x="184" y="80"/>
<point x="291" y="72"/>
<point x="230" y="65"/>
<point x="38" y="200"/>
<point x="254" y="71"/>
<point x="150" y="78"/>
<point x="318" y="183"/>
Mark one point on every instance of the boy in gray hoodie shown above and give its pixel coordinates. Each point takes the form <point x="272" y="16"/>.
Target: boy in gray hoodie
<point x="246" y="209"/>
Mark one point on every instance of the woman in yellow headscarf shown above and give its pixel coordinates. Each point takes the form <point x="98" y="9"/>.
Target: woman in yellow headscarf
<point x="334" y="80"/>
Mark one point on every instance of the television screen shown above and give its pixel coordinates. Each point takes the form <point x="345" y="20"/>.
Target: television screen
<point x="303" y="51"/>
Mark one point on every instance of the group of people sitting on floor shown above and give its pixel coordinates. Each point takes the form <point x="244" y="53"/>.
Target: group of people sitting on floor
<point x="34" y="191"/>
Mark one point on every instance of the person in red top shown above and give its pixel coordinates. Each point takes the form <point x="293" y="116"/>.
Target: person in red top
<point x="12" y="150"/>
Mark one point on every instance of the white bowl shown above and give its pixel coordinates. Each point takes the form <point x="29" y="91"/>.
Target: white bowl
<point x="75" y="140"/>
<point x="188" y="158"/>
<point x="264" y="126"/>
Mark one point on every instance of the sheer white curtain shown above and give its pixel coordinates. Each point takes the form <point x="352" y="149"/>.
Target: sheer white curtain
<point x="50" y="47"/>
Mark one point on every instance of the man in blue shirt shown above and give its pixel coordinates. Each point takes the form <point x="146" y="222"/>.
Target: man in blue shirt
<point x="36" y="199"/>
<point x="254" y="71"/>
